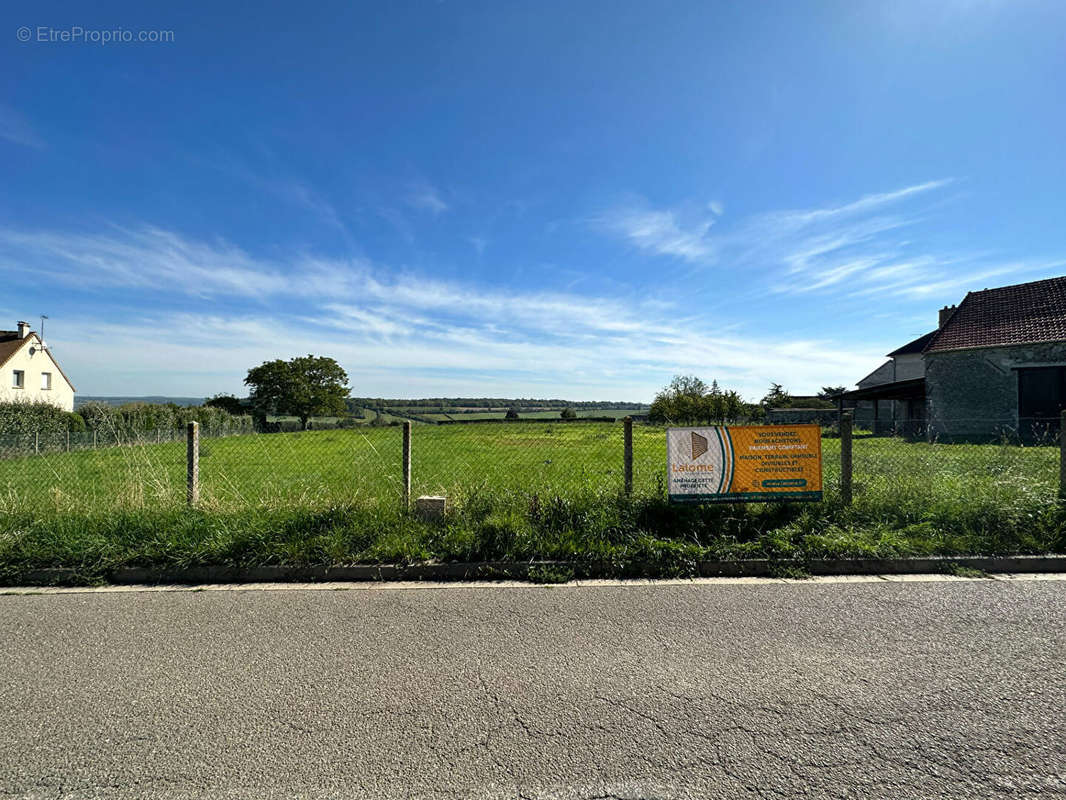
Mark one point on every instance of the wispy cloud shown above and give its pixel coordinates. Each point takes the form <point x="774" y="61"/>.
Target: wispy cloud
<point x="16" y="128"/>
<point x="384" y="325"/>
<point x="794" y="238"/>
<point x="855" y="248"/>
<point x="426" y="197"/>
<point x="386" y="353"/>
<point x="143" y="258"/>
<point x="395" y="329"/>
<point x="660" y="232"/>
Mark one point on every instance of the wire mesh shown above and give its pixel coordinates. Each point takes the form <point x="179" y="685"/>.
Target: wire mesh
<point x="109" y="471"/>
<point x="104" y="472"/>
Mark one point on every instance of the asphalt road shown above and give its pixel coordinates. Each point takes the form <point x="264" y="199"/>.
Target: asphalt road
<point x="872" y="689"/>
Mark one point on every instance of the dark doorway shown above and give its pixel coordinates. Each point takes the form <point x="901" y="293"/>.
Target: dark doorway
<point x="1041" y="399"/>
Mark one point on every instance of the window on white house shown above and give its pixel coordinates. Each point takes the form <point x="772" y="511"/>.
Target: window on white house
<point x="46" y="381"/>
<point x="18" y="379"/>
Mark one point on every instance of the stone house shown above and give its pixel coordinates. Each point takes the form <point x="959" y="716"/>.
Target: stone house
<point x="29" y="371"/>
<point x="995" y="365"/>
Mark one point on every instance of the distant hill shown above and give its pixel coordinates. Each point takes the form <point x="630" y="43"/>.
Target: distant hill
<point x="80" y="400"/>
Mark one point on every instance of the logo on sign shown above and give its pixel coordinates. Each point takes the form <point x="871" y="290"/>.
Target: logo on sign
<point x="699" y="445"/>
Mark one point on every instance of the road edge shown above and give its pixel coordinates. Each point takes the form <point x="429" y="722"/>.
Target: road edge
<point x="536" y="570"/>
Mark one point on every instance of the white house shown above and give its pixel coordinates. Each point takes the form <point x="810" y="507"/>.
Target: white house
<point x="29" y="372"/>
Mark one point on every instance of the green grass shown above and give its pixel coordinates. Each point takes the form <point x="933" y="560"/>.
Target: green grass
<point x="532" y="491"/>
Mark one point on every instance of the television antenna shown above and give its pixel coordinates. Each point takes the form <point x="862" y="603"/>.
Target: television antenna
<point x="42" y="345"/>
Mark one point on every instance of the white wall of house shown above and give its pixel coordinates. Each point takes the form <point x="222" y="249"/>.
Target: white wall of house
<point x="41" y="380"/>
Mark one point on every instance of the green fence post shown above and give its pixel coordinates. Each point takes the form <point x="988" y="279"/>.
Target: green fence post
<point x="407" y="464"/>
<point x="845" y="457"/>
<point x="627" y="453"/>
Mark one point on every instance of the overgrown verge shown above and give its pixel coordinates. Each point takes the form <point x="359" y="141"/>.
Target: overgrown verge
<point x="601" y="533"/>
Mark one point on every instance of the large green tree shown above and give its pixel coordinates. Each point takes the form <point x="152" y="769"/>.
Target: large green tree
<point x="303" y="387"/>
<point x="687" y="399"/>
<point x="227" y="403"/>
<point x="777" y="397"/>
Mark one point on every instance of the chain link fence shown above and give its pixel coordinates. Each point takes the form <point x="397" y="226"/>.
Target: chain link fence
<point x="97" y="474"/>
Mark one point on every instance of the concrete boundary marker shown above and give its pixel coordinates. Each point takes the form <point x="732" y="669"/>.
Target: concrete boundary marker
<point x="510" y="570"/>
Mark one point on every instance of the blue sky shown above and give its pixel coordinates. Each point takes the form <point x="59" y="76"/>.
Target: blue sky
<point x="521" y="199"/>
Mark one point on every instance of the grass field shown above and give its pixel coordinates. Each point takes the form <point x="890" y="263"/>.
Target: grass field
<point x="529" y="490"/>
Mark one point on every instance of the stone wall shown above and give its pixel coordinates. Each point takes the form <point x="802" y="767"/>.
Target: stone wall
<point x="974" y="393"/>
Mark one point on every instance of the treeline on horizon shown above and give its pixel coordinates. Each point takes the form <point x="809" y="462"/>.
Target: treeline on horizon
<point x="356" y="403"/>
<point x="502" y="403"/>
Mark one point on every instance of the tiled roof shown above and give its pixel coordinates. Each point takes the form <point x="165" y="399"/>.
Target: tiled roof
<point x="9" y="346"/>
<point x="1022" y="314"/>
<point x="917" y="346"/>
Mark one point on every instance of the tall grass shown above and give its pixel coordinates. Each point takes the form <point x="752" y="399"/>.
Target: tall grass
<point x="521" y="491"/>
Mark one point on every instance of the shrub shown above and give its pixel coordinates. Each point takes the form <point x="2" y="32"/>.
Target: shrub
<point x="24" y="418"/>
<point x="136" y="418"/>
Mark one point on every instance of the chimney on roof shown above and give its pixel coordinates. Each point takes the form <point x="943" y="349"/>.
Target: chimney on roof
<point x="24" y="329"/>
<point x="945" y="315"/>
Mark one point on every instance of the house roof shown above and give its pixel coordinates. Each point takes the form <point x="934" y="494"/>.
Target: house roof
<point x="913" y="388"/>
<point x="11" y="343"/>
<point x="8" y="346"/>
<point x="887" y="367"/>
<point x="917" y="346"/>
<point x="1026" y="313"/>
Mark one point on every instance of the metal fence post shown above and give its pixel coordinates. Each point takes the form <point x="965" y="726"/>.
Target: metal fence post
<point x="68" y="440"/>
<point x="627" y="434"/>
<point x="407" y="464"/>
<point x="36" y="443"/>
<point x="845" y="457"/>
<point x="94" y="439"/>
<point x="1062" y="456"/>
<point x="192" y="460"/>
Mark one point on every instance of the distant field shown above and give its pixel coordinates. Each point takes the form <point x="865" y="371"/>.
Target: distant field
<point x="528" y="490"/>
<point x="617" y="413"/>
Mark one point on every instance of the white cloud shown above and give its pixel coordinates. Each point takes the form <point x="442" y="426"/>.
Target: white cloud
<point x="855" y="248"/>
<point x="426" y="197"/>
<point x="383" y="353"/>
<point x="403" y="332"/>
<point x="14" y="127"/>
<point x="143" y="258"/>
<point x="389" y="329"/>
<point x="660" y="232"/>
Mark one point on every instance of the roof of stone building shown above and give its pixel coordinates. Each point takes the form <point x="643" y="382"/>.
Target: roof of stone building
<point x="1026" y="313"/>
<point x="917" y="346"/>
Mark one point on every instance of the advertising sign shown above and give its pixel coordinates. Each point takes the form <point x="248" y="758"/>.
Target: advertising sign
<point x="744" y="464"/>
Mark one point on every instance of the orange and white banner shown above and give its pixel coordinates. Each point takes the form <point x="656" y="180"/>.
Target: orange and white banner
<point x="744" y="464"/>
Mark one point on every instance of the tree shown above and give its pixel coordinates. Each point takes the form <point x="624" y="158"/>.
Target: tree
<point x="688" y="399"/>
<point x="227" y="402"/>
<point x="512" y="413"/>
<point x="568" y="413"/>
<point x="304" y="387"/>
<point x="831" y="392"/>
<point x="777" y="397"/>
